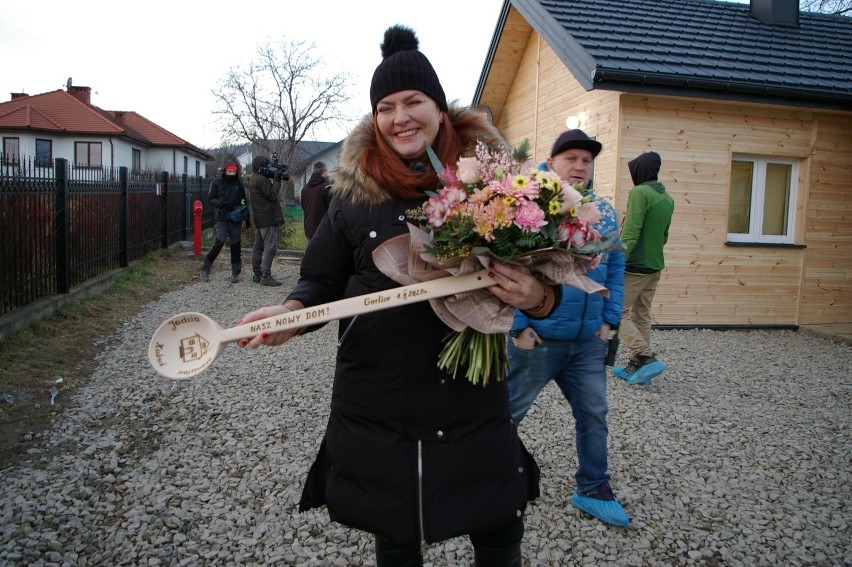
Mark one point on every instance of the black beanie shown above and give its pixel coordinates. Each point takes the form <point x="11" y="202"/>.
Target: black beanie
<point x="571" y="139"/>
<point x="404" y="68"/>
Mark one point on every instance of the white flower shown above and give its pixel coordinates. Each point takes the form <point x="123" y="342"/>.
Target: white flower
<point x="469" y="170"/>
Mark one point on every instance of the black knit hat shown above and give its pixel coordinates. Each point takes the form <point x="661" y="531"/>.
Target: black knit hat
<point x="403" y="68"/>
<point x="571" y="139"/>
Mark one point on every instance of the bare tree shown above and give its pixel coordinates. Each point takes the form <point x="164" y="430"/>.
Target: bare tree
<point x="838" y="7"/>
<point x="277" y="100"/>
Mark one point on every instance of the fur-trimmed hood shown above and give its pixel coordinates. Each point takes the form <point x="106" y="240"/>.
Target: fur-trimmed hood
<point x="351" y="182"/>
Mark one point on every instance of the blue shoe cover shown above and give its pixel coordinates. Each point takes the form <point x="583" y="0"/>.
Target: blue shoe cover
<point x="620" y="372"/>
<point x="646" y="373"/>
<point x="608" y="511"/>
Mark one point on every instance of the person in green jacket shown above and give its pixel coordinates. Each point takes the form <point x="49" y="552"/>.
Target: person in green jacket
<point x="644" y="234"/>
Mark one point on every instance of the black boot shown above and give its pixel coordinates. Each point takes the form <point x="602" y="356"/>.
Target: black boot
<point x="268" y="279"/>
<point x="498" y="556"/>
<point x="236" y="269"/>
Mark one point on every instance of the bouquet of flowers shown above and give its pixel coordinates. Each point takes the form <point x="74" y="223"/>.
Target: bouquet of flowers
<point x="497" y="203"/>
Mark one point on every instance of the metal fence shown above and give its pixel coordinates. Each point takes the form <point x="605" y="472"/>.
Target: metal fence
<point x="64" y="224"/>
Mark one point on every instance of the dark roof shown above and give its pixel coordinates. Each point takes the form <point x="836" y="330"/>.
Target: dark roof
<point x="305" y="153"/>
<point x="698" y="47"/>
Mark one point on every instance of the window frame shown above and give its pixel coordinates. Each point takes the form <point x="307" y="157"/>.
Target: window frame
<point x="87" y="163"/>
<point x="16" y="156"/>
<point x="135" y="160"/>
<point x="46" y="162"/>
<point x="758" y="200"/>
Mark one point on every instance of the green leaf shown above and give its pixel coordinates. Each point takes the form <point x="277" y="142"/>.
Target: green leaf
<point x="522" y="152"/>
<point x="433" y="157"/>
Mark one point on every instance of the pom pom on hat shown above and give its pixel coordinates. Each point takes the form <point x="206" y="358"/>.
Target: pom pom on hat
<point x="403" y="68"/>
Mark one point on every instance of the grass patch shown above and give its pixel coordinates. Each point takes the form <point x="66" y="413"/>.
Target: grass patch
<point x="60" y="350"/>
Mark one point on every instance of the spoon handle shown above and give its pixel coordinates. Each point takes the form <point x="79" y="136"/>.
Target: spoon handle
<point x="357" y="305"/>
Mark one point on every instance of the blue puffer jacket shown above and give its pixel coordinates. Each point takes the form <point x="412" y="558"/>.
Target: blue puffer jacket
<point x="580" y="314"/>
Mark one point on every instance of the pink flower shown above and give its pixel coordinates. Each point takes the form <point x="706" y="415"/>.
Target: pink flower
<point x="578" y="239"/>
<point x="437" y="210"/>
<point x="449" y="176"/>
<point x="529" y="217"/>
<point x="517" y="187"/>
<point x="454" y="195"/>
<point x="481" y="196"/>
<point x="589" y="213"/>
<point x="492" y="216"/>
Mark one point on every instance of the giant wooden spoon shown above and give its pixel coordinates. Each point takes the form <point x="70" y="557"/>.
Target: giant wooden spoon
<point x="188" y="343"/>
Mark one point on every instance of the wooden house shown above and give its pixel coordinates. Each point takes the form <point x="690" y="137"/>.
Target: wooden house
<point x="750" y="107"/>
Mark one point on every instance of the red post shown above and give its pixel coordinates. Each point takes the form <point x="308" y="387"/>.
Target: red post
<point x="197" y="208"/>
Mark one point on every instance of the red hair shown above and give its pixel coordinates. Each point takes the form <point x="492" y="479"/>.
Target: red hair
<point x="383" y="164"/>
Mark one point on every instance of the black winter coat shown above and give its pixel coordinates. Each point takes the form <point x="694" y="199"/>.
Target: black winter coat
<point x="265" y="203"/>
<point x="226" y="193"/>
<point x="409" y="451"/>
<point x="316" y="198"/>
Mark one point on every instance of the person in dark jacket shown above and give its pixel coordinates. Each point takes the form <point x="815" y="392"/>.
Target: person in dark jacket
<point x="227" y="192"/>
<point x="268" y="217"/>
<point x="410" y="454"/>
<point x="570" y="346"/>
<point x="644" y="234"/>
<point x="316" y="196"/>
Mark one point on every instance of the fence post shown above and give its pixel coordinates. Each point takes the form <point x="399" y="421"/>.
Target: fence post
<point x="62" y="239"/>
<point x="123" y="218"/>
<point x="164" y="177"/>
<point x="184" y="228"/>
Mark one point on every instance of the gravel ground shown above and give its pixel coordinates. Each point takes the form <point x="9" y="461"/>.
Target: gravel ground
<point x="739" y="454"/>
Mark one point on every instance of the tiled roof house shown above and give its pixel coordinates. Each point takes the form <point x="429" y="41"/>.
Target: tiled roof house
<point x="65" y="124"/>
<point x="750" y="108"/>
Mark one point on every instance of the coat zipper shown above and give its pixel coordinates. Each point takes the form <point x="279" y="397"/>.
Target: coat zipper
<point x="346" y="332"/>
<point x="420" y="489"/>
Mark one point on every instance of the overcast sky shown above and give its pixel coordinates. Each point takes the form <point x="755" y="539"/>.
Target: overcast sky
<point x="163" y="58"/>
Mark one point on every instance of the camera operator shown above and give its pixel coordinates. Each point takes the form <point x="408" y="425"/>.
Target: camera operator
<point x="268" y="217"/>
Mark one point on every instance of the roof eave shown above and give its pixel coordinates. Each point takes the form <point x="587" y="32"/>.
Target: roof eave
<point x="492" y="50"/>
<point x="657" y="83"/>
<point x="570" y="52"/>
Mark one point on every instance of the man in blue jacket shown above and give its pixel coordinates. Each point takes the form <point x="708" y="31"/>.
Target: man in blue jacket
<point x="569" y="345"/>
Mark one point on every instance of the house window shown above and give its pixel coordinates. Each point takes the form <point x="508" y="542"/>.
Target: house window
<point x="762" y="200"/>
<point x="185" y="164"/>
<point x="136" y="160"/>
<point x="87" y="154"/>
<point x="11" y="151"/>
<point x="44" y="153"/>
<point x="197" y="168"/>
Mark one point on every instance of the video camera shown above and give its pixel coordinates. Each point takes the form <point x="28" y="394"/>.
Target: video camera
<point x="274" y="170"/>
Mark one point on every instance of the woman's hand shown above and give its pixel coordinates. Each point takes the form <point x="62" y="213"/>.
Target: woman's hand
<point x="519" y="288"/>
<point x="267" y="338"/>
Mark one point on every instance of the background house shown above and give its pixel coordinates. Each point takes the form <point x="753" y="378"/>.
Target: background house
<point x="65" y="124"/>
<point x="750" y="107"/>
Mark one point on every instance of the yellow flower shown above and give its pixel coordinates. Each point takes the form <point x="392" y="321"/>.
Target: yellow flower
<point x="553" y="207"/>
<point x="520" y="181"/>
